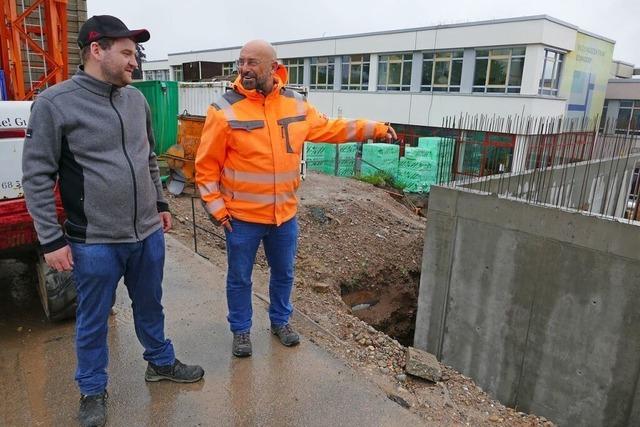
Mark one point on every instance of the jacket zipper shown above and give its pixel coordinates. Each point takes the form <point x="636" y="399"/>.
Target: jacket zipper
<point x="133" y="175"/>
<point x="266" y="120"/>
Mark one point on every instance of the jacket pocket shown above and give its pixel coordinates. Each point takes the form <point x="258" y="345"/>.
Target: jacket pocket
<point x="75" y="233"/>
<point x="284" y="123"/>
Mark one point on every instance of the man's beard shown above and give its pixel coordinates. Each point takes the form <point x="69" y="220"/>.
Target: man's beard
<point x="256" y="83"/>
<point x="116" y="78"/>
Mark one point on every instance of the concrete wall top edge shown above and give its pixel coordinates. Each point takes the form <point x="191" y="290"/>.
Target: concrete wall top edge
<point x="576" y="228"/>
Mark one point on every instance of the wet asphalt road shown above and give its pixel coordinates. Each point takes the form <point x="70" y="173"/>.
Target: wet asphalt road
<point x="277" y="386"/>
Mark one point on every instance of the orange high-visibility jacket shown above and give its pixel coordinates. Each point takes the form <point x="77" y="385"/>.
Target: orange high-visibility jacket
<point x="248" y="161"/>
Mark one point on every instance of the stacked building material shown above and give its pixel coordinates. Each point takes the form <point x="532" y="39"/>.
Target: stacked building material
<point x="380" y="157"/>
<point x="425" y="165"/>
<point x="322" y="157"/>
<point x="346" y="158"/>
<point x="316" y="155"/>
<point x="417" y="171"/>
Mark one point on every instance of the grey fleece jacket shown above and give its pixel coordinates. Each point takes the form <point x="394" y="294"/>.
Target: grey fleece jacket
<point x="97" y="140"/>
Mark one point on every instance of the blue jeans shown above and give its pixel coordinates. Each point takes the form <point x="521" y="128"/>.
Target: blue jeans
<point x="97" y="270"/>
<point x="280" y="245"/>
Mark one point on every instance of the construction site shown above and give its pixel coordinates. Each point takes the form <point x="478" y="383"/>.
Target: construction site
<point x="480" y="271"/>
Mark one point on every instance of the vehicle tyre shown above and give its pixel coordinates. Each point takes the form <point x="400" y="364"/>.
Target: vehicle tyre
<point x="57" y="292"/>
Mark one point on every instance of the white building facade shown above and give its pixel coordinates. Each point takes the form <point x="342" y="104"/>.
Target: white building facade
<point x="530" y="66"/>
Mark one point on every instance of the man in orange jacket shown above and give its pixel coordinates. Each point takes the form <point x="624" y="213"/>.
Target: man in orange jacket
<point x="247" y="172"/>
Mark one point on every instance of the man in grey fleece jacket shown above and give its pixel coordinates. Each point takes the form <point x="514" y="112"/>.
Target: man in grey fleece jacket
<point x="93" y="134"/>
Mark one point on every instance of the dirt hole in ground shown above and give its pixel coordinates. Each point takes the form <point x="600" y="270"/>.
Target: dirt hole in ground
<point x="386" y="300"/>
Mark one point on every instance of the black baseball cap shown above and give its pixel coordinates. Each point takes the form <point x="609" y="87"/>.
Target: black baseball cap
<point x="101" y="26"/>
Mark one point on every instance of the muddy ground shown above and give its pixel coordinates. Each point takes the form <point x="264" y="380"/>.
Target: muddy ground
<point x="357" y="279"/>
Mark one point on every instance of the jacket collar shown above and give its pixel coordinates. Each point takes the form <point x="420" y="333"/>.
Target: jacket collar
<point x="81" y="78"/>
<point x="280" y="78"/>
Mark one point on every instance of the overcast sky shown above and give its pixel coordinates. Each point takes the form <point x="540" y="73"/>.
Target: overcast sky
<point x="184" y="25"/>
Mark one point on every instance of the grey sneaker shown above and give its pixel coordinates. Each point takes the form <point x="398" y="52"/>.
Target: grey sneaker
<point x="242" y="345"/>
<point x="287" y="335"/>
<point x="93" y="410"/>
<point x="178" y="373"/>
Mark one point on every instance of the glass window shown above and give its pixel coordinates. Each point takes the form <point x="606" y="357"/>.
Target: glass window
<point x="622" y="123"/>
<point x="162" y="75"/>
<point x="394" y="72"/>
<point x="515" y="72"/>
<point x="295" y="69"/>
<point x="634" y="126"/>
<point x="355" y="72"/>
<point x="499" y="70"/>
<point x="228" y="68"/>
<point x="552" y="66"/>
<point x="480" y="74"/>
<point x="177" y="73"/>
<point x="442" y="71"/>
<point x="322" y="71"/>
<point x="628" y="121"/>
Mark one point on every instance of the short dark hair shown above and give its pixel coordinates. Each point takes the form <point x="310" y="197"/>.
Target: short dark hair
<point x="104" y="43"/>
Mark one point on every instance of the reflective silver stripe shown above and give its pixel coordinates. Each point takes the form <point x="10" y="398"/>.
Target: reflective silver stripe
<point x="214" y="206"/>
<point x="261" y="178"/>
<point x="246" y="124"/>
<point x="226" y="108"/>
<point x="351" y="130"/>
<point x="284" y="197"/>
<point x="369" y="129"/>
<point x="265" y="199"/>
<point x="232" y="96"/>
<point x="299" y="103"/>
<point x="208" y="188"/>
<point x="226" y="192"/>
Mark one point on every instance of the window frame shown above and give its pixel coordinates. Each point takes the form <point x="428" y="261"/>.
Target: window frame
<point x="178" y="73"/>
<point x="348" y="64"/>
<point x="556" y="71"/>
<point x="318" y="62"/>
<point x="433" y="61"/>
<point x="492" y="58"/>
<point x="228" y="68"/>
<point x="298" y="65"/>
<point x="634" y="110"/>
<point x="407" y="59"/>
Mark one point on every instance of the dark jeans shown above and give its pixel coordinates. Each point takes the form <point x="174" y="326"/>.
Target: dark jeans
<point x="280" y="245"/>
<point x="97" y="270"/>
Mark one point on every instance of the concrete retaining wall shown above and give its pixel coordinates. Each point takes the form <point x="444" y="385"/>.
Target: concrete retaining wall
<point x="540" y="306"/>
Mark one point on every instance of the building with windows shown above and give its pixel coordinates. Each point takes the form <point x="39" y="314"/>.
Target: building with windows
<point x="158" y="70"/>
<point x="621" y="112"/>
<point x="528" y="66"/>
